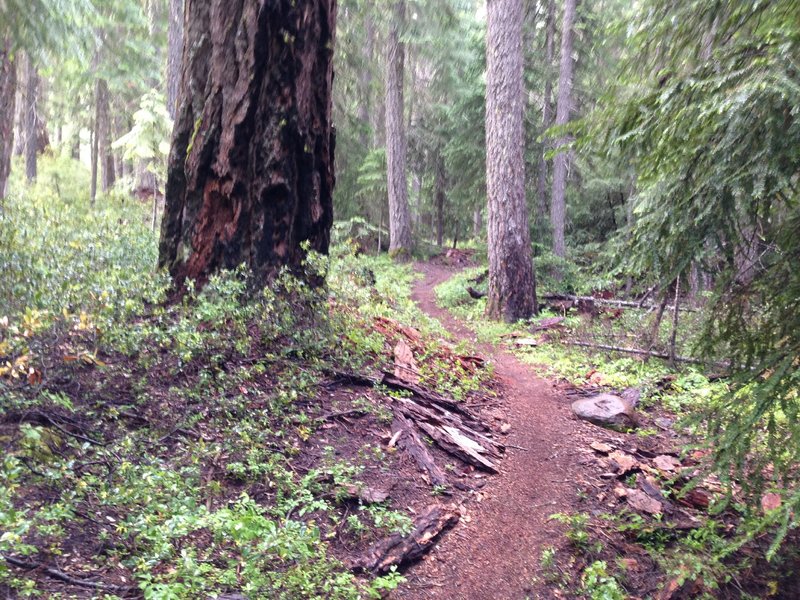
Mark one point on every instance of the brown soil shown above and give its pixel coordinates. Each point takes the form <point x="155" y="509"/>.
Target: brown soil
<point x="495" y="551"/>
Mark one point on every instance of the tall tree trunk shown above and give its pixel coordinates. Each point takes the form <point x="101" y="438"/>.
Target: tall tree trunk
<point x="103" y="133"/>
<point x="512" y="285"/>
<point x="251" y="167"/>
<point x="8" y="97"/>
<point x="399" y="218"/>
<point x="547" y="109"/>
<point x="477" y="222"/>
<point x="174" y="54"/>
<point x="94" y="155"/>
<point x="365" y="84"/>
<point x="558" y="206"/>
<point x="19" y="114"/>
<point x="31" y="125"/>
<point x="440" y="199"/>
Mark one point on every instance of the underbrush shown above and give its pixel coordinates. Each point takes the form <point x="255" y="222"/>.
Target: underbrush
<point x="188" y="449"/>
<point x="742" y="543"/>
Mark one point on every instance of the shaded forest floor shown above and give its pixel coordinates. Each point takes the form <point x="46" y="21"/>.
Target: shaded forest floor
<point x="580" y="511"/>
<point x="250" y="445"/>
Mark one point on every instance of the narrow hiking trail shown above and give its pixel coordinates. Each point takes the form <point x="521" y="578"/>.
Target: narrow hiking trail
<point x="494" y="553"/>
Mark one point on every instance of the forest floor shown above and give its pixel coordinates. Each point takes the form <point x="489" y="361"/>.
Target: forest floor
<point x="496" y="554"/>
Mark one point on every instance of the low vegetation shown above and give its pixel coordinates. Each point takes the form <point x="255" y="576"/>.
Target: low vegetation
<point x="184" y="446"/>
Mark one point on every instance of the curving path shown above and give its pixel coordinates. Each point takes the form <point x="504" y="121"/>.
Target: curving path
<point x="494" y="553"/>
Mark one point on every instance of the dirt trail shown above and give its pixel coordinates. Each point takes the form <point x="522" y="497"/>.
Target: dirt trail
<point x="495" y="555"/>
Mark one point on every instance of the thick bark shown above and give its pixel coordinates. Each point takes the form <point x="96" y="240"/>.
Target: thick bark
<point x="174" y="54"/>
<point x="8" y="97"/>
<point x="558" y="208"/>
<point x="512" y="285"/>
<point x="251" y="167"/>
<point x="547" y="109"/>
<point x="399" y="216"/>
<point x="105" y="156"/>
<point x="398" y="549"/>
<point x="30" y="118"/>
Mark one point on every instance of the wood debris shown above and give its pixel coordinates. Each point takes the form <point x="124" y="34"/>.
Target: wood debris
<point x="398" y="550"/>
<point x="642" y="502"/>
<point x="405" y="366"/>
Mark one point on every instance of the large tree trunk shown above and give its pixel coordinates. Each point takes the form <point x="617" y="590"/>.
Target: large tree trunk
<point x="512" y="286"/>
<point x="31" y="124"/>
<point x="547" y="110"/>
<point x="251" y="168"/>
<point x="8" y="97"/>
<point x="174" y="54"/>
<point x="103" y="133"/>
<point x="19" y="113"/>
<point x="399" y="218"/>
<point x="558" y="207"/>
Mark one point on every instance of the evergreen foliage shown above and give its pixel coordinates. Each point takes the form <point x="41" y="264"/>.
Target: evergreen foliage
<point x="713" y="137"/>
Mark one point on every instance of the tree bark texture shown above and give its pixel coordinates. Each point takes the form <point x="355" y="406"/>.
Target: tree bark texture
<point x="547" y="109"/>
<point x="105" y="155"/>
<point x="558" y="205"/>
<point x="251" y="167"/>
<point x="399" y="217"/>
<point x="8" y="98"/>
<point x="174" y="54"/>
<point x="30" y="117"/>
<point x="512" y="285"/>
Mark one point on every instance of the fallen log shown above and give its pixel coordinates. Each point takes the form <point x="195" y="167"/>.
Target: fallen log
<point x="410" y="441"/>
<point x="610" y="302"/>
<point x="431" y="398"/>
<point x="459" y="446"/>
<point x="448" y="423"/>
<point x="624" y="350"/>
<point x="398" y="550"/>
<point x="443" y="419"/>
